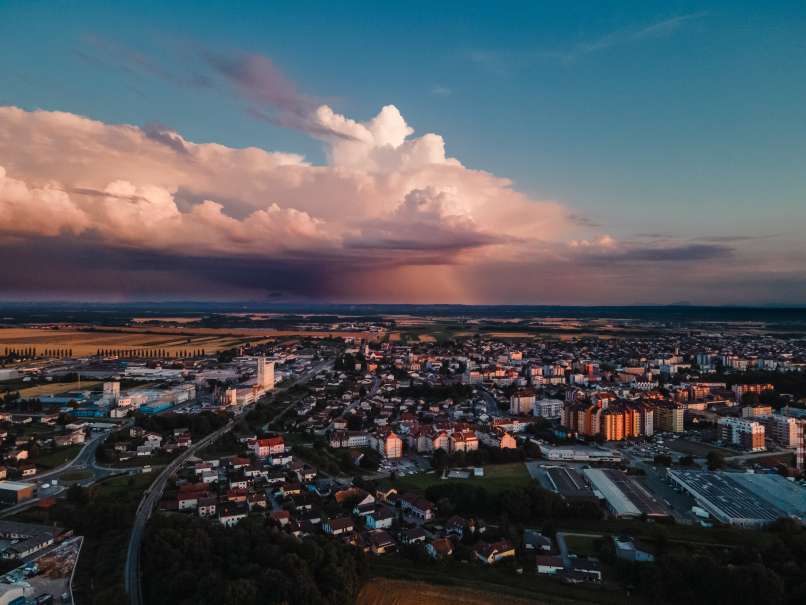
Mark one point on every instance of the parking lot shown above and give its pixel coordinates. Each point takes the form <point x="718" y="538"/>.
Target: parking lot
<point x="404" y="467"/>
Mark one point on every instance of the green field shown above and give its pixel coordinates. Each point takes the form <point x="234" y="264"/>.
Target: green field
<point x="728" y="537"/>
<point x="124" y="487"/>
<point x="75" y="476"/>
<point x="57" y="457"/>
<point x="497" y="478"/>
<point x="500" y="579"/>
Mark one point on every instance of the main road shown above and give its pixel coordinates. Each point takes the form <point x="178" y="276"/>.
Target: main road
<point x="131" y="574"/>
<point x="84" y="460"/>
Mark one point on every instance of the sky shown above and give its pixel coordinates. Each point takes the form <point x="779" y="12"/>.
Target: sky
<point x="455" y="152"/>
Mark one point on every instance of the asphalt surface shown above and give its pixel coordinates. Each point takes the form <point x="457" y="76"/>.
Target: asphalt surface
<point x="492" y="403"/>
<point x="132" y="580"/>
<point x="84" y="460"/>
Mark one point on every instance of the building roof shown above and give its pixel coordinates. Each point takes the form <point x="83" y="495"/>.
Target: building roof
<point x="16" y="486"/>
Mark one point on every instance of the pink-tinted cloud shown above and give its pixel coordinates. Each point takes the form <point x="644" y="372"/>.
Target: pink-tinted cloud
<point x="390" y="217"/>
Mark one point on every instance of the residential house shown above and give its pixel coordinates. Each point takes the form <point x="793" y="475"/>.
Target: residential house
<point x="230" y="513"/>
<point x="380" y="518"/>
<point x="338" y="526"/>
<point x="439" y="548"/>
<point x="490" y="553"/>
<point x="416" y="508"/>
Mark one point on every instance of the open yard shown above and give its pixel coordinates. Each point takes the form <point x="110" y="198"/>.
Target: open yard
<point x="497" y="478"/>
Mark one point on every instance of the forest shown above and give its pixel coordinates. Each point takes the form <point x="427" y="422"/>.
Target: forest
<point x="193" y="561"/>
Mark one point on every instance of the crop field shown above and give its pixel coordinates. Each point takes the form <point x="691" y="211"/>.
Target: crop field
<point x="88" y="342"/>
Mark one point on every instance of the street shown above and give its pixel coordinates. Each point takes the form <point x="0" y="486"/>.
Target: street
<point x="152" y="496"/>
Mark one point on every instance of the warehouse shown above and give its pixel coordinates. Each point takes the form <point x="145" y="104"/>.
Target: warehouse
<point x="728" y="500"/>
<point x="566" y="482"/>
<point x="786" y="496"/>
<point x="625" y="497"/>
<point x="14" y="492"/>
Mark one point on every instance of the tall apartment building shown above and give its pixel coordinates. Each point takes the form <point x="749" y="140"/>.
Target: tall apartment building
<point x="754" y="411"/>
<point x="788" y="432"/>
<point x="746" y="434"/>
<point x="742" y="389"/>
<point x="265" y="374"/>
<point x="613" y="423"/>
<point x="583" y="418"/>
<point x="522" y="402"/>
<point x="548" y="408"/>
<point x="669" y="417"/>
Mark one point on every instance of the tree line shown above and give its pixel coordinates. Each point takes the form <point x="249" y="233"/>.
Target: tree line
<point x="187" y="560"/>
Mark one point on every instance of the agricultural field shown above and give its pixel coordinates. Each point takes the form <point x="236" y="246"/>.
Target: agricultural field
<point x="87" y="342"/>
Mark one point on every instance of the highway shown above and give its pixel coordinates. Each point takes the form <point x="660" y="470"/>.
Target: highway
<point x="131" y="573"/>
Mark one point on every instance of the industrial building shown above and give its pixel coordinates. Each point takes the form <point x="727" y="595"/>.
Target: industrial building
<point x="579" y="453"/>
<point x="567" y="482"/>
<point x="728" y="500"/>
<point x="625" y="497"/>
<point x="14" y="492"/>
<point x="786" y="496"/>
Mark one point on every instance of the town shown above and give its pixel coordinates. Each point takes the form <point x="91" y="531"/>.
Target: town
<point x="561" y="463"/>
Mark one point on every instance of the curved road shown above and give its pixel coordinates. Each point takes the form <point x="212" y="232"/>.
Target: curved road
<point x="131" y="573"/>
<point x="151" y="497"/>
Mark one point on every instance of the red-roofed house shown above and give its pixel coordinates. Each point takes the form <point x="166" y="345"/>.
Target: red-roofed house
<point x="263" y="448"/>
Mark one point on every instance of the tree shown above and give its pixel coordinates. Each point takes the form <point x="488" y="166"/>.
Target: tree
<point x="715" y="460"/>
<point x="663" y="460"/>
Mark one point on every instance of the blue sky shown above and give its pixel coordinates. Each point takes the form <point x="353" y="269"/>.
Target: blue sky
<point x="672" y="117"/>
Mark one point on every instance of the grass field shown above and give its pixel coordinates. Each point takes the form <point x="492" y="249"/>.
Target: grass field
<point x="499" y="584"/>
<point x="56" y="388"/>
<point x="677" y="533"/>
<point x="383" y="591"/>
<point x="74" y="476"/>
<point x="497" y="478"/>
<point x="57" y="457"/>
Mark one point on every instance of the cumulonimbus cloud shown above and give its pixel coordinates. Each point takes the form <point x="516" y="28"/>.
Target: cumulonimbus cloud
<point x="390" y="216"/>
<point x="385" y="198"/>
